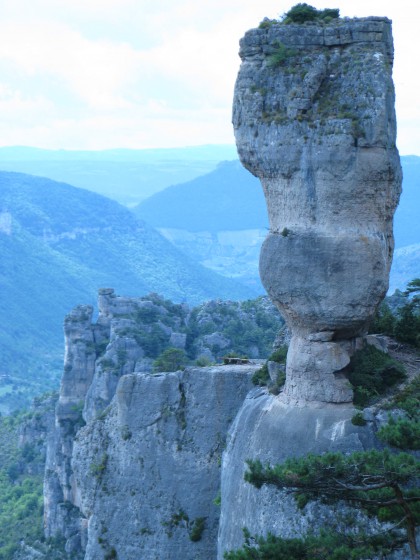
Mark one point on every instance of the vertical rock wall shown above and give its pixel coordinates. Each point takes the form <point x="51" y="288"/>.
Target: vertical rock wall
<point x="314" y="119"/>
<point x="133" y="460"/>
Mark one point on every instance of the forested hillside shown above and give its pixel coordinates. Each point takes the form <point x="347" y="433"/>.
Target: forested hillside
<point x="59" y="245"/>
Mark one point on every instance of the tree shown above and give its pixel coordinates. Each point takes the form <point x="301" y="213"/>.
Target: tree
<point x="407" y="328"/>
<point x="413" y="287"/>
<point x="384" y="321"/>
<point x="171" y="359"/>
<point x="300" y="13"/>
<point x="380" y="482"/>
<point x="325" y="546"/>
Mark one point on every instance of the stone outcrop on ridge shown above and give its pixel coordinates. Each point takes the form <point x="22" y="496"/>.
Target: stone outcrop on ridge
<point x="133" y="458"/>
<point x="314" y="119"/>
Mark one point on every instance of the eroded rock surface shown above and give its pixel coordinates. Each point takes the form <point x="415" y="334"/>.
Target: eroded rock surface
<point x="318" y="128"/>
<point x="272" y="430"/>
<point x="148" y="471"/>
<point x="133" y="459"/>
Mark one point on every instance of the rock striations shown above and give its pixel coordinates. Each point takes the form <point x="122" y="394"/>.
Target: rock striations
<point x="314" y="119"/>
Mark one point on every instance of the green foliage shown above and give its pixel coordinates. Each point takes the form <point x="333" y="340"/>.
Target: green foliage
<point x="153" y="340"/>
<point x="171" y="359"/>
<point x="371" y="373"/>
<point x="402" y="433"/>
<point x="408" y="399"/>
<point x="262" y="377"/>
<point x="21" y="499"/>
<point x="266" y="23"/>
<point x="279" y="56"/>
<point x="405" y="324"/>
<point x="203" y="361"/>
<point x="279" y="355"/>
<point x="378" y="481"/>
<point x="407" y="327"/>
<point x="302" y="12"/>
<point x="358" y="420"/>
<point x="111" y="554"/>
<point x="326" y="546"/>
<point x="98" y="469"/>
<point x="248" y="324"/>
<point x="197" y="529"/>
<point x="384" y="321"/>
<point x="413" y="288"/>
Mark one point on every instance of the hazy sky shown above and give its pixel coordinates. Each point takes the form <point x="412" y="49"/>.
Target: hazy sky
<point x="96" y="74"/>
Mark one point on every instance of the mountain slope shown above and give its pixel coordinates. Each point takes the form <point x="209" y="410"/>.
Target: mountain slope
<point x="127" y="176"/>
<point x="228" y="198"/>
<point x="220" y="220"/>
<point x="58" y="245"/>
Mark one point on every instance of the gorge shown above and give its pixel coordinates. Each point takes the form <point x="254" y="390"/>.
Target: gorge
<point x="139" y="464"/>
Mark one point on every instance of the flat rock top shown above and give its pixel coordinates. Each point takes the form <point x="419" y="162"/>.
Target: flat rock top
<point x="338" y="32"/>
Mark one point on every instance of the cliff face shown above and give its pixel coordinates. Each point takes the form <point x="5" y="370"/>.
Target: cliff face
<point x="141" y="477"/>
<point x="314" y="120"/>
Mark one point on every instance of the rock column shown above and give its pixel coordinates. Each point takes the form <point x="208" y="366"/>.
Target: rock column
<point x="314" y="119"/>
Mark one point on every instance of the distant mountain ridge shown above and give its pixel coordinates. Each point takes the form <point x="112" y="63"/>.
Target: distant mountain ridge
<point x="228" y="198"/>
<point x="220" y="220"/>
<point x="127" y="176"/>
<point x="58" y="245"/>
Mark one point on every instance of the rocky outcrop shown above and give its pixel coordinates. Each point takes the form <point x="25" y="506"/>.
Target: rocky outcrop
<point x="128" y="448"/>
<point x="148" y="471"/>
<point x="272" y="430"/>
<point x="314" y="119"/>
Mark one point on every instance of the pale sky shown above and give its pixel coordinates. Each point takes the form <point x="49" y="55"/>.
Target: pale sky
<point x="98" y="74"/>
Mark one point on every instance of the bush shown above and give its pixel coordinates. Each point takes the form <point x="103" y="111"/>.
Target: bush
<point x="402" y="433"/>
<point x="384" y="321"/>
<point x="358" y="420"/>
<point x="262" y="377"/>
<point x="327" y="545"/>
<point x="407" y="327"/>
<point x="380" y="482"/>
<point x="303" y="12"/>
<point x="371" y="373"/>
<point x="197" y="529"/>
<point x="171" y="359"/>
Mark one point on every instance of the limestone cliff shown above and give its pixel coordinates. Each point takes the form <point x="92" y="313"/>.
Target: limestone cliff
<point x="139" y="480"/>
<point x="314" y="119"/>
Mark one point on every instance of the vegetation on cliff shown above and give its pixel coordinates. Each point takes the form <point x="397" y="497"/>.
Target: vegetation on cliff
<point x="381" y="484"/>
<point x="21" y="478"/>
<point x="404" y="322"/>
<point x="302" y="13"/>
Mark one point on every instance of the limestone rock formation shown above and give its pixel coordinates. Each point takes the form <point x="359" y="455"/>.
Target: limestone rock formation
<point x="271" y="430"/>
<point x="314" y="120"/>
<point x="133" y="459"/>
<point x="148" y="470"/>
